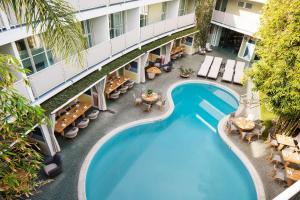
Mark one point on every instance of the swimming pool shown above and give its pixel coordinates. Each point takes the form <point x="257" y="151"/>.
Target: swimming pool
<point x="180" y="157"/>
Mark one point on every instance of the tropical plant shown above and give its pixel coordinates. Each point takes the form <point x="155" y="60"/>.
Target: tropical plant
<point x="55" y="20"/>
<point x="19" y="162"/>
<point x="149" y="92"/>
<point x="277" y="74"/>
<point x="186" y="71"/>
<point x="203" y="14"/>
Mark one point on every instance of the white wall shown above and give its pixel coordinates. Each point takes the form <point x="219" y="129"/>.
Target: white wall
<point x="154" y="13"/>
<point x="172" y="9"/>
<point x="232" y="7"/>
<point x="100" y="29"/>
<point x="132" y="19"/>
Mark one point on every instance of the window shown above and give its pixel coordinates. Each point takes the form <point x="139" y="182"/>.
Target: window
<point x="33" y="54"/>
<point x="243" y="4"/>
<point x="144" y="16"/>
<point x="163" y="10"/>
<point x="86" y="27"/>
<point x="248" y="5"/>
<point x="116" y="24"/>
<point x="182" y="7"/>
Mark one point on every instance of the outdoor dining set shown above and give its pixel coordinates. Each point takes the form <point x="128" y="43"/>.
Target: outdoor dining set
<point x="116" y="86"/>
<point x="75" y="116"/>
<point x="147" y="99"/>
<point x="285" y="152"/>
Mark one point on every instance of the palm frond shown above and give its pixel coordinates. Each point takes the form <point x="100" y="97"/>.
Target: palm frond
<point x="55" y="19"/>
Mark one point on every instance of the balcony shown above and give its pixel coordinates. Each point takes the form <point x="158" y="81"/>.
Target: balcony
<point x="158" y="28"/>
<point x="21" y="89"/>
<point x="87" y="4"/>
<point x="247" y="24"/>
<point x="62" y="72"/>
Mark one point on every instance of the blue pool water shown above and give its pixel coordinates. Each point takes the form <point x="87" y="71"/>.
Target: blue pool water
<point x="181" y="157"/>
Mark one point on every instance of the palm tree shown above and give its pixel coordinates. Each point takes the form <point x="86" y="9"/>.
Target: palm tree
<point x="55" y="19"/>
<point x="19" y="162"/>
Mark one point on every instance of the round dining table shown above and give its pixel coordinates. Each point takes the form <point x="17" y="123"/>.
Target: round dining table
<point x="244" y="124"/>
<point x="152" y="98"/>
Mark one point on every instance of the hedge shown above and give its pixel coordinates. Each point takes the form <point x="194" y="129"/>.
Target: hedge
<point x="59" y="99"/>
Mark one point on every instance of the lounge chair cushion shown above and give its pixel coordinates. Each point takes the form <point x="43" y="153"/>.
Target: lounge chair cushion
<point x="72" y="133"/>
<point x="49" y="168"/>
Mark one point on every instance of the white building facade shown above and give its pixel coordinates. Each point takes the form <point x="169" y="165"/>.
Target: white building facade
<point x="235" y="23"/>
<point x="112" y="29"/>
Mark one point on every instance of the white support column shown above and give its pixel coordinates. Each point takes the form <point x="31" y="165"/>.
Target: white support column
<point x="144" y="59"/>
<point x="51" y="139"/>
<point x="47" y="138"/>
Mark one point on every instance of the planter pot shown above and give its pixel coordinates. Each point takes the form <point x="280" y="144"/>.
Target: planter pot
<point x="185" y="75"/>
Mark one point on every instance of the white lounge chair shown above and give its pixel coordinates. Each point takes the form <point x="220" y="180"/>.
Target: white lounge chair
<point x="215" y="68"/>
<point x="229" y="69"/>
<point x="239" y="72"/>
<point x="204" y="68"/>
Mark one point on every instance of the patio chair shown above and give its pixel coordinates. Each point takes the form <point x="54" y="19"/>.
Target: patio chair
<point x="130" y="84"/>
<point x="137" y="100"/>
<point x="123" y="89"/>
<point x="115" y="95"/>
<point x="231" y="128"/>
<point x="93" y="115"/>
<point x="83" y="123"/>
<point x="279" y="175"/>
<point x="146" y="107"/>
<point x="255" y="133"/>
<point x="53" y="166"/>
<point x="71" y="133"/>
<point x="160" y="103"/>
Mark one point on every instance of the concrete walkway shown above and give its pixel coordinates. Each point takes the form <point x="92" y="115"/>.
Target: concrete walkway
<point x="74" y="151"/>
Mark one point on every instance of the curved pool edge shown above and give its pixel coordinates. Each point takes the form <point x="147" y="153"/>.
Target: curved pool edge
<point x="253" y="173"/>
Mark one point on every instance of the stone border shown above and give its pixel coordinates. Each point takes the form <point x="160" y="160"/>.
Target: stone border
<point x="255" y="177"/>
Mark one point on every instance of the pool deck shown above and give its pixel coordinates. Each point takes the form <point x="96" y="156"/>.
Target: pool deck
<point x="74" y="151"/>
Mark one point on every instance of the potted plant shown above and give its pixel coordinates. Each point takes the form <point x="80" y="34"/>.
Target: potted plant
<point x="149" y="92"/>
<point x="186" y="72"/>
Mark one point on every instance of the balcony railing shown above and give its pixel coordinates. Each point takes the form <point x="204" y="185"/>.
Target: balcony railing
<point x="246" y="23"/>
<point x="21" y="88"/>
<point x="87" y="4"/>
<point x="158" y="28"/>
<point x="61" y="72"/>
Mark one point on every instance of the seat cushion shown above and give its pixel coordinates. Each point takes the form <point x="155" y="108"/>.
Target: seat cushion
<point x="49" y="168"/>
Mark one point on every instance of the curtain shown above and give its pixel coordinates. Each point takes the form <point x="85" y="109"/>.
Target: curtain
<point x="50" y="137"/>
<point x="168" y="52"/>
<point x="100" y="87"/>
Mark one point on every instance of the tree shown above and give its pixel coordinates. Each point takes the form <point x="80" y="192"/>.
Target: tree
<point x="19" y="162"/>
<point x="203" y="12"/>
<point x="277" y="74"/>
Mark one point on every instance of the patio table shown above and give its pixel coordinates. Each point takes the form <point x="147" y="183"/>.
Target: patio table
<point x="70" y="116"/>
<point x="292" y="175"/>
<point x="290" y="156"/>
<point x="115" y="84"/>
<point x="154" y="70"/>
<point x="150" y="98"/>
<point x="285" y="140"/>
<point x="244" y="124"/>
